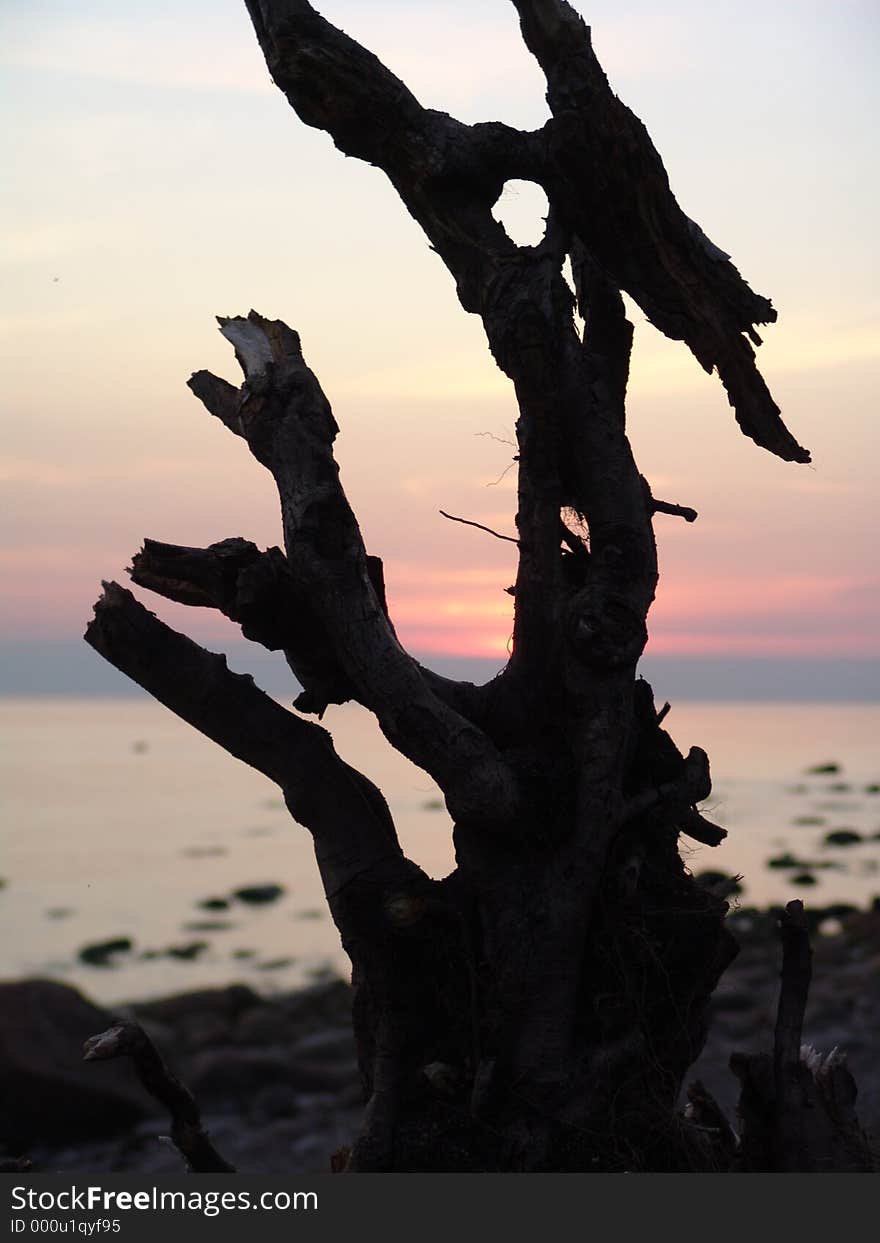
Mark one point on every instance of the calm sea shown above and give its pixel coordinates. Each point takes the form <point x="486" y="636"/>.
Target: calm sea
<point x="119" y="822"/>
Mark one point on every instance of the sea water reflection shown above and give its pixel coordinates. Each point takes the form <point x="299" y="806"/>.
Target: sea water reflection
<point x="121" y="823"/>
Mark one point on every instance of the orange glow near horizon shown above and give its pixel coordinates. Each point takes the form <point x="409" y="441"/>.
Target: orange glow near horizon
<point x="713" y="615"/>
<point x="125" y="235"/>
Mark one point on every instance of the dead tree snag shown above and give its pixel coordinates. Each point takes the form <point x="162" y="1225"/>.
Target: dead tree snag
<point x="538" y="1008"/>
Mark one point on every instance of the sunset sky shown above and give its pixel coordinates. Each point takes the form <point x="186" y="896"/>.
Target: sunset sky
<point x="156" y="178"/>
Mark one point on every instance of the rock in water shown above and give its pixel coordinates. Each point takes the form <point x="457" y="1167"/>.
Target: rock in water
<point x="256" y="895"/>
<point x="49" y="1095"/>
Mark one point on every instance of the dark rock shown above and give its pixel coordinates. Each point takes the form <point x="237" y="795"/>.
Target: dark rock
<point x="187" y="952"/>
<point x="263" y="1025"/>
<point x="788" y="860"/>
<point x="784" y="861"/>
<point x="226" y="1003"/>
<point x="49" y="1094"/>
<point x="331" y="1043"/>
<point x="101" y="953"/>
<point x="318" y="1007"/>
<point x="235" y="1072"/>
<point x="839" y="910"/>
<point x="256" y="895"/>
<point x="213" y="904"/>
<point x="842" y="837"/>
<point x="269" y="1103"/>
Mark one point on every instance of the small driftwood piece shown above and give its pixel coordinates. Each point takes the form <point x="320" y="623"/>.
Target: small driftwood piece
<point x="187" y="1135"/>
<point x="797" y="1107"/>
<point x="16" y="1165"/>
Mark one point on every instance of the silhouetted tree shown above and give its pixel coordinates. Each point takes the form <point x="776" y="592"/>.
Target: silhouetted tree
<point x="538" y="1008"/>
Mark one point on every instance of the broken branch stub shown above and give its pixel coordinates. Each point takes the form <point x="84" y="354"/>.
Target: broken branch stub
<point x="283" y="415"/>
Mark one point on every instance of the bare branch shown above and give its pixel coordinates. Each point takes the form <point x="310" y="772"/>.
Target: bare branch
<point x="289" y="427"/>
<point x="345" y="813"/>
<point x="130" y="1040"/>
<point x="256" y="590"/>
<point x="605" y="176"/>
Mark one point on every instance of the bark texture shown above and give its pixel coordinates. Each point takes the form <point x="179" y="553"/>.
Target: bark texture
<point x="538" y="1008"/>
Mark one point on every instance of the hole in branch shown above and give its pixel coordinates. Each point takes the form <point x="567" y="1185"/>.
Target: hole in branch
<point x="522" y="209"/>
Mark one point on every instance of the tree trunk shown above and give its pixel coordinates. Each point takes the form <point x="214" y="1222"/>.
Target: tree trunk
<point x="538" y="1008"/>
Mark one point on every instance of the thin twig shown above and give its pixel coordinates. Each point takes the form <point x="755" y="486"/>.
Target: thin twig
<point x="509" y="467"/>
<point x="468" y="523"/>
<point x="500" y="439"/>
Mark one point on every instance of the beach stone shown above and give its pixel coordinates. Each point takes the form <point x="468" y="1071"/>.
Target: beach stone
<point x="786" y="860"/>
<point x="262" y="1025"/>
<point x="323" y="1005"/>
<point x="49" y="1095"/>
<point x="188" y="951"/>
<point x="257" y="895"/>
<point x="199" y="1020"/>
<point x="271" y="1102"/>
<point x="226" y="1003"/>
<point x="100" y="954"/>
<point x="228" y="1071"/>
<point x="331" y="1043"/>
<point x="729" y="999"/>
<point x="842" y="837"/>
